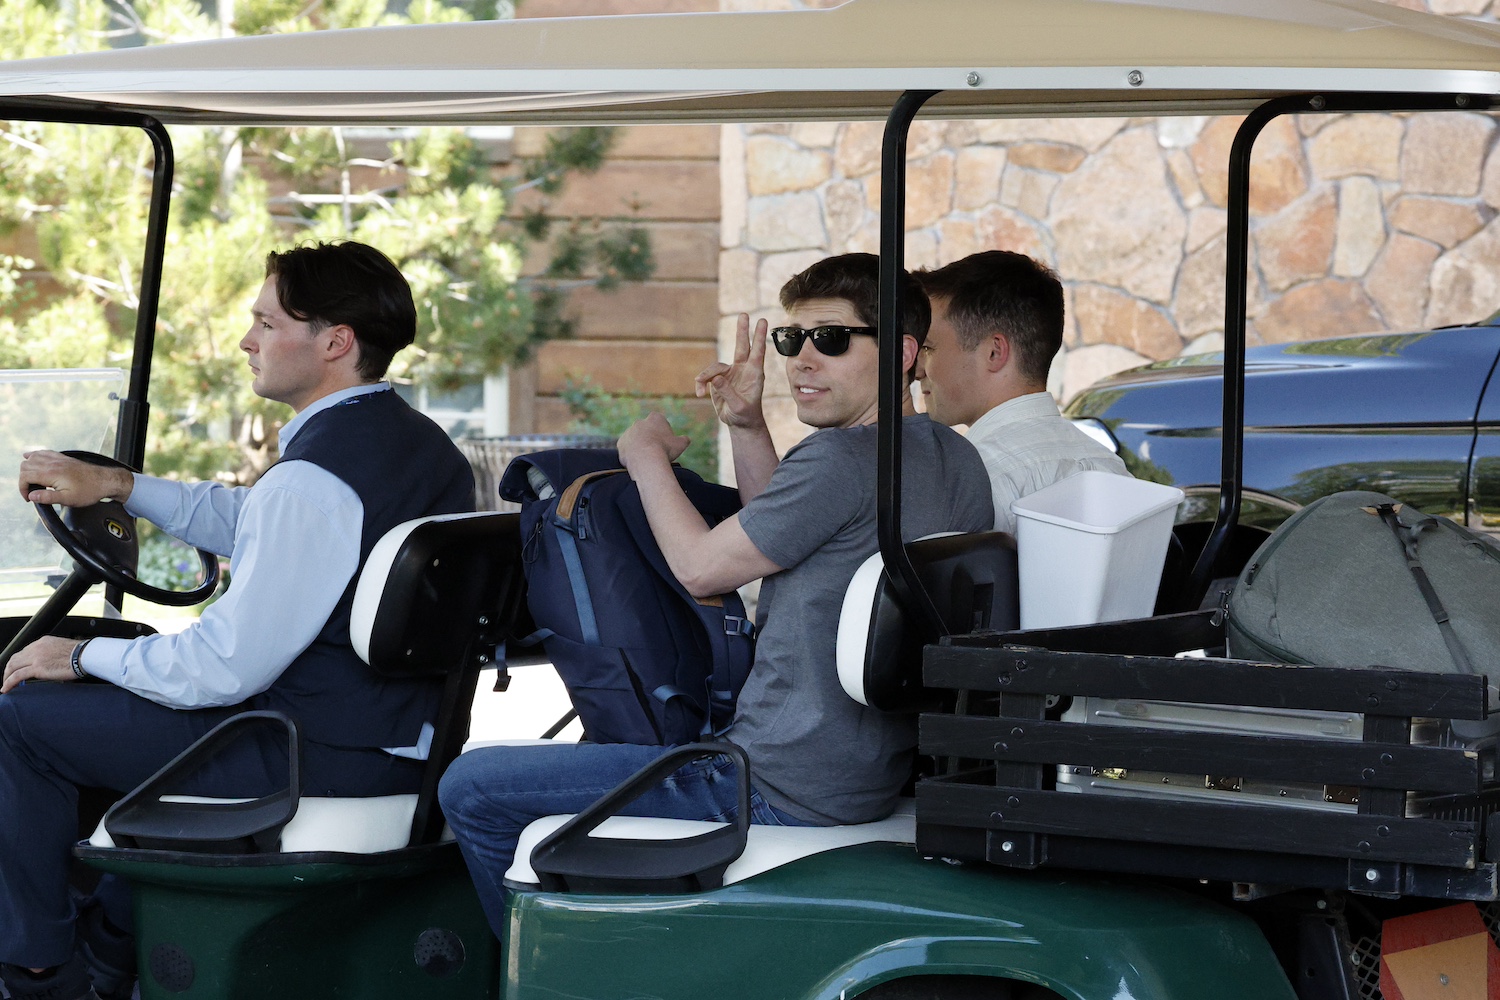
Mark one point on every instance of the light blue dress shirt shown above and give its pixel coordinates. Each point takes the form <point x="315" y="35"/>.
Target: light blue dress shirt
<point x="293" y="541"/>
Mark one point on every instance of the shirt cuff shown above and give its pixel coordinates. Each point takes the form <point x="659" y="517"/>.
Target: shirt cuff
<point x="152" y="498"/>
<point x="104" y="658"/>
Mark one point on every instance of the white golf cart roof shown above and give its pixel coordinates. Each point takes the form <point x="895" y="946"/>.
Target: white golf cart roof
<point x="991" y="57"/>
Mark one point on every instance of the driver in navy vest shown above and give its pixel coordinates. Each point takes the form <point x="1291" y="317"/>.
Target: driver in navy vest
<point x="356" y="461"/>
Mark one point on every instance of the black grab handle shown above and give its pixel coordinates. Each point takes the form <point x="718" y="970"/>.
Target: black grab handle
<point x="143" y="819"/>
<point x="569" y="859"/>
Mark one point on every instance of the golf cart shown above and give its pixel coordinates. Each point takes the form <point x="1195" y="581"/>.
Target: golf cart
<point x="1004" y="882"/>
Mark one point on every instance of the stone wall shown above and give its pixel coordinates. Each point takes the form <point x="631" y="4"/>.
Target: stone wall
<point x="1359" y="223"/>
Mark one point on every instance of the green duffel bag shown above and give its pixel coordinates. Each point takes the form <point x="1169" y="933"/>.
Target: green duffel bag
<point x="1356" y="579"/>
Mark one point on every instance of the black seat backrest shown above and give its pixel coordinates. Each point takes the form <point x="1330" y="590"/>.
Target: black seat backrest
<point x="972" y="579"/>
<point x="442" y="595"/>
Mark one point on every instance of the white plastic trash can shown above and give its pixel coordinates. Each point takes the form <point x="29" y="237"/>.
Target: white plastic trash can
<point x="1091" y="548"/>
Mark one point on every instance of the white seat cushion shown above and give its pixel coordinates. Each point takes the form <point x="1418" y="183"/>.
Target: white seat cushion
<point x="342" y="826"/>
<point x="768" y="847"/>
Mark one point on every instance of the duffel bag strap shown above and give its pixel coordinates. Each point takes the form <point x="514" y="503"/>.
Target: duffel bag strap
<point x="1407" y="538"/>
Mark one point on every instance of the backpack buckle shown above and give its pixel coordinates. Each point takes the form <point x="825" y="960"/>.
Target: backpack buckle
<point x="735" y="625"/>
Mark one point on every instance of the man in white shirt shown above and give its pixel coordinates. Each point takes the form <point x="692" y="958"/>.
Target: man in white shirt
<point x="997" y="322"/>
<point x="355" y="461"/>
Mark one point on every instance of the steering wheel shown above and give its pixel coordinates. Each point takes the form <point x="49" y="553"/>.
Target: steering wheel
<point x="102" y="541"/>
<point x="104" y="546"/>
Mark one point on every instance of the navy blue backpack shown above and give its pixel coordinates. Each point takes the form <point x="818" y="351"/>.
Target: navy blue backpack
<point x="643" y="661"/>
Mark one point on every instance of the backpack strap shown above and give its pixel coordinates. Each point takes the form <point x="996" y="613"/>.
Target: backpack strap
<point x="1407" y="538"/>
<point x="565" y="523"/>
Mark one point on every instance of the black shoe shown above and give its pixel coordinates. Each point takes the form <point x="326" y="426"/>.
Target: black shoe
<point x="65" y="982"/>
<point x="108" y="952"/>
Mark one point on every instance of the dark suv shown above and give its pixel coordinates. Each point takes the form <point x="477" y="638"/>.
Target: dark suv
<point x="1412" y="415"/>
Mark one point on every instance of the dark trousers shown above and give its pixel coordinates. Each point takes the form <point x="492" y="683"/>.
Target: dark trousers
<point x="56" y="738"/>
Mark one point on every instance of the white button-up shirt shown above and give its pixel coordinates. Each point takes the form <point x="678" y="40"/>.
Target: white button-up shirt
<point x="293" y="542"/>
<point x="1027" y="444"/>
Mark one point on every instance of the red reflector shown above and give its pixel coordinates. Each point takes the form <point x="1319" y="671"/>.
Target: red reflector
<point x="1439" y="955"/>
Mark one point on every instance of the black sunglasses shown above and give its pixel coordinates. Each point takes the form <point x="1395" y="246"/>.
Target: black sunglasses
<point x="829" y="340"/>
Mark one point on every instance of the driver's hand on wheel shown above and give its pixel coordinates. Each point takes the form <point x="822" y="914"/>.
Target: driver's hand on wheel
<point x="70" y="482"/>
<point x="50" y="658"/>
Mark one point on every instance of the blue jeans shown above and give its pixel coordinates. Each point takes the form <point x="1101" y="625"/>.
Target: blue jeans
<point x="490" y="795"/>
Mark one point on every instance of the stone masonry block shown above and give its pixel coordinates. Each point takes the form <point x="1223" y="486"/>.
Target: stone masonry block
<point x="1328" y="308"/>
<point x="929" y="190"/>
<point x="738" y="271"/>
<point x="1465" y="284"/>
<point x="1397" y="281"/>
<point x="777" y="268"/>
<point x="1444" y="154"/>
<point x="1447" y="223"/>
<point x="786" y="222"/>
<point x="1361" y="227"/>
<point x="775" y="166"/>
<point x="1358" y="144"/>
<point x="1278" y="170"/>
<point x="1297" y="244"/>
<point x="1052" y="156"/>
<point x="1027" y="191"/>
<point x="1116" y="221"/>
<point x="977" y="177"/>
<point x="1105" y="316"/>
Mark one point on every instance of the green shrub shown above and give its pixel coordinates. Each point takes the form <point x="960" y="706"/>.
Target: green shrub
<point x="598" y="411"/>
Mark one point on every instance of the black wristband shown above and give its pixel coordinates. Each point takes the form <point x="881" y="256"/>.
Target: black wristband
<point x="76" y="660"/>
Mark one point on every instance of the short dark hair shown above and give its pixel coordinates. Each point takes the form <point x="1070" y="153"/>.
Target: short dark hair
<point x="855" y="278"/>
<point x="999" y="291"/>
<point x="349" y="284"/>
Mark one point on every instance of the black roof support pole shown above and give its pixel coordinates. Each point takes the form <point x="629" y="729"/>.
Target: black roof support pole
<point x="1236" y="283"/>
<point x="1236" y="289"/>
<point x="908" y="588"/>
<point x="134" y="409"/>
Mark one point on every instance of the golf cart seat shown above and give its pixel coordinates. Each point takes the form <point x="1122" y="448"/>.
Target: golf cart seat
<point x="222" y="885"/>
<point x="972" y="580"/>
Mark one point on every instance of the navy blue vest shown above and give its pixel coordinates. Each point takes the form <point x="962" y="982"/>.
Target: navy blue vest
<point x="402" y="466"/>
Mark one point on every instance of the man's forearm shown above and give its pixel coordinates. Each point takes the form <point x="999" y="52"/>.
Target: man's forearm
<point x="755" y="460"/>
<point x="679" y="529"/>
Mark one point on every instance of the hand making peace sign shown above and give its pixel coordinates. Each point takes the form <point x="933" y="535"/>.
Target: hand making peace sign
<point x="736" y="388"/>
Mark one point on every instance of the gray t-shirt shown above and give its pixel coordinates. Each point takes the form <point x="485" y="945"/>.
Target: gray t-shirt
<point x="815" y="752"/>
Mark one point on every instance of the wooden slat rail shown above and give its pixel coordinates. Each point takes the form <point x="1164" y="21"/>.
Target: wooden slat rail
<point x="1277" y="758"/>
<point x="1445" y="843"/>
<point x="1164" y="635"/>
<point x="1032" y="670"/>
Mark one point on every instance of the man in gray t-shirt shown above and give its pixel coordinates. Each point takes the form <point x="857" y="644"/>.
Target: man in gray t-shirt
<point x="814" y="751"/>
<point x="816" y="757"/>
<point x="807" y="524"/>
